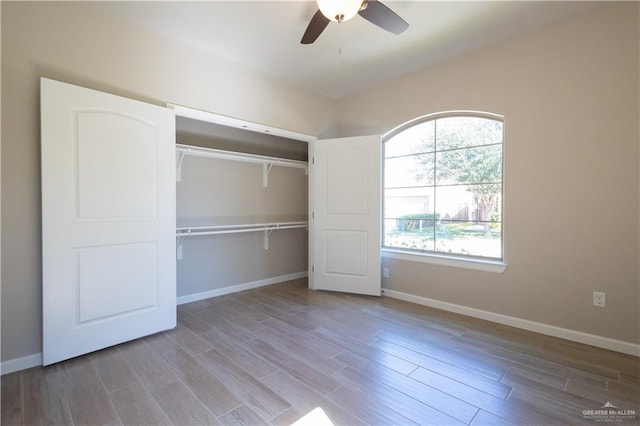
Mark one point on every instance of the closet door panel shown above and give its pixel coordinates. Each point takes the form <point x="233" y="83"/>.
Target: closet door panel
<point x="108" y="220"/>
<point x="346" y="224"/>
<point x="103" y="140"/>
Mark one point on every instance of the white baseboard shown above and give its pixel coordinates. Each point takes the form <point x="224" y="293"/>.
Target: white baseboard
<point x="35" y="360"/>
<point x="239" y="287"/>
<point x="549" y="330"/>
<point x="22" y="363"/>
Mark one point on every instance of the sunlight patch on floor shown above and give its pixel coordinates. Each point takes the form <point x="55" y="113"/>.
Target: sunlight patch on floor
<point x="315" y="417"/>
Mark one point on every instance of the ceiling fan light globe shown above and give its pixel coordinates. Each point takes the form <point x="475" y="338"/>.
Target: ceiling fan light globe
<point x="339" y="10"/>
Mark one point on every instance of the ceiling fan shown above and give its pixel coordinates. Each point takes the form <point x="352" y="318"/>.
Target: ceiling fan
<point x="343" y="10"/>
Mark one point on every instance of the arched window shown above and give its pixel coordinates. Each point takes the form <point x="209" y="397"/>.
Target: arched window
<point x="443" y="185"/>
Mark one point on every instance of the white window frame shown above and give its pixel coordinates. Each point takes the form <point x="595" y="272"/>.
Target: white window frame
<point x="444" y="259"/>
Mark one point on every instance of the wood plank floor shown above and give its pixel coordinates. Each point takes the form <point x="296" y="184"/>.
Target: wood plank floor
<point x="275" y="354"/>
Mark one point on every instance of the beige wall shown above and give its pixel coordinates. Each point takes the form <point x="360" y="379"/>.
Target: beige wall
<point x="70" y="42"/>
<point x="569" y="94"/>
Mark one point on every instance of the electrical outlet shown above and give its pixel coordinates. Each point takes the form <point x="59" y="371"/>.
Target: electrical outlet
<point x="385" y="272"/>
<point x="599" y="299"/>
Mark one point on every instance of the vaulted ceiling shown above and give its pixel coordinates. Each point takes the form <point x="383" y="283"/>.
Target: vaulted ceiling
<point x="347" y="57"/>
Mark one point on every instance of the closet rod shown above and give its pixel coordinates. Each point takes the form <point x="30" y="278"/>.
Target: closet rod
<point x="188" y="232"/>
<point x="266" y="229"/>
<point x="240" y="156"/>
<point x="277" y="225"/>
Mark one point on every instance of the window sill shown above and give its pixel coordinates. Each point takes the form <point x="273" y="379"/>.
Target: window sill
<point x="456" y="262"/>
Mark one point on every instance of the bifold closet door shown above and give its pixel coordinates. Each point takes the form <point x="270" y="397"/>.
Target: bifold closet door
<point x="108" y="220"/>
<point x="346" y="214"/>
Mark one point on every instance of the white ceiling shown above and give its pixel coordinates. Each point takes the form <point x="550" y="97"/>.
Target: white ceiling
<point x="347" y="57"/>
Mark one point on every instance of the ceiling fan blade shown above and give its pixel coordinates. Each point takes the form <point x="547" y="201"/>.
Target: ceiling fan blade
<point x="317" y="24"/>
<point x="380" y="15"/>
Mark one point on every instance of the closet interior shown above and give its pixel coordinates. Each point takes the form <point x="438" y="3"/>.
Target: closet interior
<point x="241" y="207"/>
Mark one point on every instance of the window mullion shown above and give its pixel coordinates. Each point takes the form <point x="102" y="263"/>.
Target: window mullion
<point x="435" y="173"/>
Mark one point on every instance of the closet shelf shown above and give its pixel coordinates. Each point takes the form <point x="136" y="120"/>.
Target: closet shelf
<point x="195" y="226"/>
<point x="266" y="161"/>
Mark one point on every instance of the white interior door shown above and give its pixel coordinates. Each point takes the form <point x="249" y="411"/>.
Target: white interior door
<point x="346" y="215"/>
<point x="108" y="220"/>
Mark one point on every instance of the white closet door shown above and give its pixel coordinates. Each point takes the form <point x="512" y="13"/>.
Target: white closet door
<point x="346" y="224"/>
<point x="108" y="220"/>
